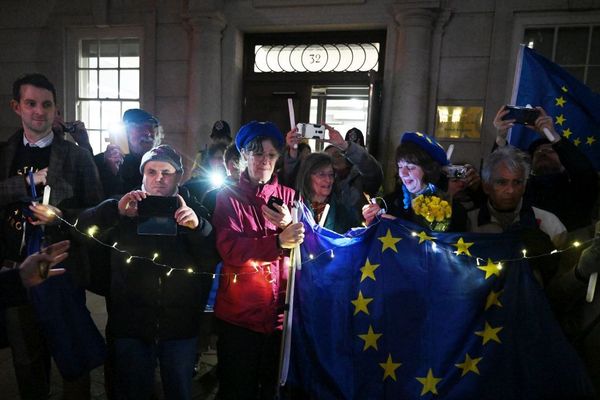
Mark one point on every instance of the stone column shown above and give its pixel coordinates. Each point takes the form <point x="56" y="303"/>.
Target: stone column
<point x="204" y="78"/>
<point x="416" y="21"/>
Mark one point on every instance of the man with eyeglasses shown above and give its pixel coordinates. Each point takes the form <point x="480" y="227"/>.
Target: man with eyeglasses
<point x="504" y="177"/>
<point x="557" y="167"/>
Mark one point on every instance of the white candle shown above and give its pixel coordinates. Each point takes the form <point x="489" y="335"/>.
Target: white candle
<point x="589" y="297"/>
<point x="324" y="216"/>
<point x="46" y="197"/>
<point x="292" y="117"/>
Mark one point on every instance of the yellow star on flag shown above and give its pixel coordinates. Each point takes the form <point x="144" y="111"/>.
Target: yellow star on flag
<point x="493" y="299"/>
<point x="368" y="270"/>
<point x="490" y="269"/>
<point x="567" y="132"/>
<point x="577" y="142"/>
<point x="488" y="333"/>
<point x="590" y="140"/>
<point x="462" y="247"/>
<point x="429" y="383"/>
<point x="423" y="237"/>
<point x="564" y="89"/>
<point x="560" y="119"/>
<point x="389" y="242"/>
<point x="360" y="304"/>
<point x="469" y="365"/>
<point x="560" y="101"/>
<point x="370" y="339"/>
<point x="389" y="368"/>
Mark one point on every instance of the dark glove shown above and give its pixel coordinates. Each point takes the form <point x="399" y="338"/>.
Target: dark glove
<point x="589" y="262"/>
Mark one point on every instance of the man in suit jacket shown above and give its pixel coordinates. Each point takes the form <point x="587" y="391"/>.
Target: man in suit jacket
<point x="35" y="156"/>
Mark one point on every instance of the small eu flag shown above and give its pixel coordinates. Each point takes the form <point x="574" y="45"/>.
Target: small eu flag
<point x="574" y="108"/>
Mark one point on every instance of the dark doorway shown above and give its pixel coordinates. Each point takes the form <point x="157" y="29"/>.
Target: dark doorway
<point x="313" y="67"/>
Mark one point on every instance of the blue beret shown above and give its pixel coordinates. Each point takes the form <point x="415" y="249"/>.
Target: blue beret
<point x="254" y="129"/>
<point x="138" y="116"/>
<point x="427" y="143"/>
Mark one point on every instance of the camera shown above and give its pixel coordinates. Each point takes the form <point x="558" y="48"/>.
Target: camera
<point x="522" y="115"/>
<point x="311" y="131"/>
<point x="69" y="127"/>
<point x="456" y="171"/>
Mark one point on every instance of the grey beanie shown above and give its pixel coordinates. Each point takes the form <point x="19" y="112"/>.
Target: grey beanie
<point x="165" y="153"/>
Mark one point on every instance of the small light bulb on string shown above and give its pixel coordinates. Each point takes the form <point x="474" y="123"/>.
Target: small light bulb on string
<point x="114" y="246"/>
<point x="190" y="270"/>
<point x="214" y="276"/>
<point x="554" y="251"/>
<point x="92" y="230"/>
<point x="576" y="244"/>
<point x="524" y="251"/>
<point x="234" y="278"/>
<point x="477" y="260"/>
<point x="155" y="256"/>
<point x="413" y="234"/>
<point x="500" y="266"/>
<point x="312" y="257"/>
<point x="433" y="246"/>
<point x="128" y="261"/>
<point x="75" y="224"/>
<point x="49" y="212"/>
<point x="331" y="254"/>
<point x="169" y="273"/>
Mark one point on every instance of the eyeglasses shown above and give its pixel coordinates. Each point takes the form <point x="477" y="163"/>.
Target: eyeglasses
<point x="263" y="156"/>
<point x="324" y="175"/>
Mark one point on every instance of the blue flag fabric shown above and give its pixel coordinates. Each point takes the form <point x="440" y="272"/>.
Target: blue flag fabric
<point x="399" y="312"/>
<point x="74" y="341"/>
<point x="572" y="105"/>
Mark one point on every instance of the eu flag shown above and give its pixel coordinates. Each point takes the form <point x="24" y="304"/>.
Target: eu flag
<point x="573" y="106"/>
<point x="399" y="312"/>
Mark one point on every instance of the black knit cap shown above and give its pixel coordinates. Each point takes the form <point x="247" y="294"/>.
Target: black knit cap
<point x="221" y="129"/>
<point x="165" y="153"/>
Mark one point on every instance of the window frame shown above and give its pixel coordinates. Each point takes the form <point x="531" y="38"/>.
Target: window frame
<point x="532" y="20"/>
<point x="74" y="37"/>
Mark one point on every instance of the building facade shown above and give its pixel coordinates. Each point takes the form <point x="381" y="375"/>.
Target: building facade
<point x="443" y="66"/>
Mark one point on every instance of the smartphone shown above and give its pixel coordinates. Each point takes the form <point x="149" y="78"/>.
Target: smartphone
<point x="274" y="200"/>
<point x="156" y="216"/>
<point x="522" y="115"/>
<point x="158" y="206"/>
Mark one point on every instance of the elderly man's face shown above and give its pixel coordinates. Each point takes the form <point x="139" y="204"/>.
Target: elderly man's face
<point x="545" y="160"/>
<point x="506" y="189"/>
<point x="160" y="178"/>
<point x="142" y="137"/>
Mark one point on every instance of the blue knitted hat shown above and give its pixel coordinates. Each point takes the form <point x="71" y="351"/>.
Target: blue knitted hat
<point x="427" y="143"/>
<point x="255" y="129"/>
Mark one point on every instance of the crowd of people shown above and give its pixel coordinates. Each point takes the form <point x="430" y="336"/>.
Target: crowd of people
<point x="236" y="209"/>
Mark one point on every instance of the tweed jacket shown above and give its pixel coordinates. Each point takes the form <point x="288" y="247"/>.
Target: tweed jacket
<point x="72" y="176"/>
<point x="75" y="186"/>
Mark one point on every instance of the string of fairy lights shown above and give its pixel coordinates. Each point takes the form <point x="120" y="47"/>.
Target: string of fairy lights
<point x="92" y="232"/>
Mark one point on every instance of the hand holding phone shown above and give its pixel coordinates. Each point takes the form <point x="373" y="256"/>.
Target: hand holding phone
<point x="274" y="200"/>
<point x="522" y="115"/>
<point x="280" y="218"/>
